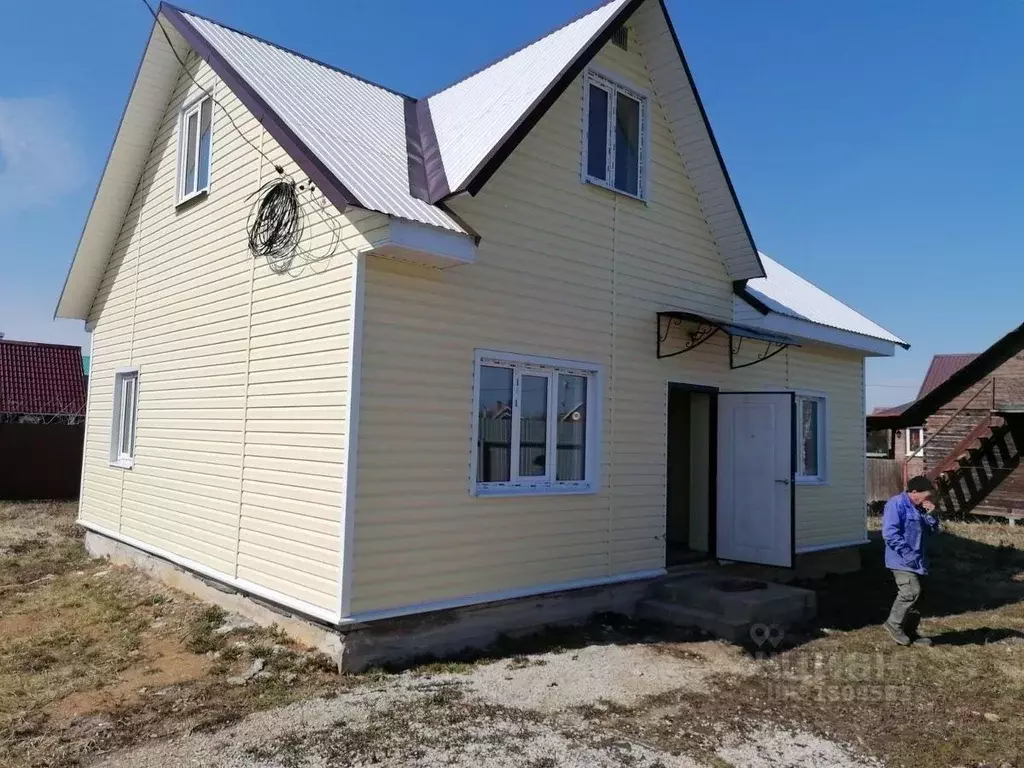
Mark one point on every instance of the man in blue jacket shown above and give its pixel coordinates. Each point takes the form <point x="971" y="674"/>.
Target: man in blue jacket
<point x="906" y="524"/>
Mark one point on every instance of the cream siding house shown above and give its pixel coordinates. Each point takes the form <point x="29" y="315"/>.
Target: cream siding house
<point x="525" y="343"/>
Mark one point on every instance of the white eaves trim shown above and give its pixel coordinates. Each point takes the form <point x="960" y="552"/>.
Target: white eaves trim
<point x="822" y="334"/>
<point x="423" y="244"/>
<point x="154" y="81"/>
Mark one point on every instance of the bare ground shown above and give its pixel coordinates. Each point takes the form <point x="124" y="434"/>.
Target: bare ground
<point x="102" y="666"/>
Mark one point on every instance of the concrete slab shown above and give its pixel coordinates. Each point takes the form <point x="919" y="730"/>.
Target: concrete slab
<point x="729" y="607"/>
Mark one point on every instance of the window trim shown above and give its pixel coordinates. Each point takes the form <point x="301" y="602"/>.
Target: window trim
<point x="615" y="85"/>
<point x="117" y="458"/>
<point x="548" y="485"/>
<point x="190" y="108"/>
<point x="906" y="438"/>
<point x="822" y="477"/>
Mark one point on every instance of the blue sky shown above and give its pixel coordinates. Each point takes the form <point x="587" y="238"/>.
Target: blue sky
<point x="877" y="147"/>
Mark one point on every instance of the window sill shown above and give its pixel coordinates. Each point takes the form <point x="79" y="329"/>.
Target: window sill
<point x="810" y="481"/>
<point x="493" y="493"/>
<point x="122" y="464"/>
<point x="614" y="190"/>
<point x="190" y="199"/>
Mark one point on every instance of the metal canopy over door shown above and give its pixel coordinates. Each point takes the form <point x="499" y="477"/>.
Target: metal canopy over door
<point x="755" y="477"/>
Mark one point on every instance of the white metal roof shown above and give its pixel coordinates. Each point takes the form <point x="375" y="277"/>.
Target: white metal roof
<point x="371" y="147"/>
<point x="356" y="129"/>
<point x="474" y="115"/>
<point x="786" y="293"/>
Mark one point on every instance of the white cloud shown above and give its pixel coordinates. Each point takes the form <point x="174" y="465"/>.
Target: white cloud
<point x="40" y="159"/>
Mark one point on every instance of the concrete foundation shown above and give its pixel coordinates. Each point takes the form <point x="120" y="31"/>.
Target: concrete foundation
<point x="698" y="598"/>
<point x="304" y="630"/>
<point x="447" y="632"/>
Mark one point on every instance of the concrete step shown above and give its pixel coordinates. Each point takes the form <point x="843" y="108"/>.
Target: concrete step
<point x="677" y="615"/>
<point x="737" y="600"/>
<point x="733" y="608"/>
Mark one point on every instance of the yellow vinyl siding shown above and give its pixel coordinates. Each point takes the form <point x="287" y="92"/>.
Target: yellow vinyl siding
<point x="565" y="270"/>
<point x="240" y="462"/>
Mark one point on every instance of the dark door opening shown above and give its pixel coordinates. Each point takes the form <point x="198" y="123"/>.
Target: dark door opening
<point x="690" y="478"/>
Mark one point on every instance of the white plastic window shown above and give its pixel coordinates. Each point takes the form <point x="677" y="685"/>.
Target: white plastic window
<point x="615" y="136"/>
<point x="195" y="132"/>
<point x="811" y="439"/>
<point x="123" y="423"/>
<point x="534" y="429"/>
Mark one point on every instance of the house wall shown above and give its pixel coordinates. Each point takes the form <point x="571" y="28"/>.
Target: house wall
<point x="572" y="271"/>
<point x="240" y="459"/>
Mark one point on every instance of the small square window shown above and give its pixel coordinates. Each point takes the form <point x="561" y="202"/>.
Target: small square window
<point x="533" y="432"/>
<point x="810" y="439"/>
<point x="123" y="423"/>
<point x="915" y="439"/>
<point x="615" y="136"/>
<point x="195" y="139"/>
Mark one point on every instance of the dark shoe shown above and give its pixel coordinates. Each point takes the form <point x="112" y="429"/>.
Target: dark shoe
<point x="897" y="634"/>
<point x="924" y="642"/>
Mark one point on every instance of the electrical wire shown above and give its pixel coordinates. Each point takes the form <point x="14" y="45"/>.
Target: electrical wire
<point x="276" y="223"/>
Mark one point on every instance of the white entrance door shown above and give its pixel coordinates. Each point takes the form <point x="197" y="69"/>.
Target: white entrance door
<point x="755" y="475"/>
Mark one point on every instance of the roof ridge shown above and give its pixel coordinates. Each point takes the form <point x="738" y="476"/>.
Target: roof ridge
<point x="523" y="47"/>
<point x="286" y="49"/>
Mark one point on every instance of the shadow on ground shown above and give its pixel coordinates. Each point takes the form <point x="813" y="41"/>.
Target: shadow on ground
<point x="967" y="575"/>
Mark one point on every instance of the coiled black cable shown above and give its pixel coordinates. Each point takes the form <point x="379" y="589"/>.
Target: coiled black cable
<point x="275" y="224"/>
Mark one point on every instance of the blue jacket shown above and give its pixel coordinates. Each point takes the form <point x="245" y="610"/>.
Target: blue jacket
<point x="905" y="529"/>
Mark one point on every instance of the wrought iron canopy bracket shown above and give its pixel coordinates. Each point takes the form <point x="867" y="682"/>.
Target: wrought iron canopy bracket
<point x="669" y="320"/>
<point x="771" y="349"/>
<point x="706" y="328"/>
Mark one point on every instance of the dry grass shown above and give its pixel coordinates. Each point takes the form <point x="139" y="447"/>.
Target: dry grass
<point x="959" y="703"/>
<point x="93" y="657"/>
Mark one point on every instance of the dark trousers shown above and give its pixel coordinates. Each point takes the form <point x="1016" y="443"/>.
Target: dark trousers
<point x="908" y="591"/>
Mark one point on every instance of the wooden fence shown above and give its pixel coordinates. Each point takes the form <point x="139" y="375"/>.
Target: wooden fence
<point x="40" y="461"/>
<point x="884" y="478"/>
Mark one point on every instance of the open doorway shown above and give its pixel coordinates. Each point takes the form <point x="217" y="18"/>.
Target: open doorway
<point x="689" y="523"/>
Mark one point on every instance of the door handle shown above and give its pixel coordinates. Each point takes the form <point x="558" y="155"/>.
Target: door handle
<point x="784" y="482"/>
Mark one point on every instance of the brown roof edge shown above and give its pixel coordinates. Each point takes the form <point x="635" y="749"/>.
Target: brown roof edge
<point x="980" y="367"/>
<point x="941" y="368"/>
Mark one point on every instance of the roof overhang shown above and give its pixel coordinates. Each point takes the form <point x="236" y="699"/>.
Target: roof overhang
<point x="152" y="87"/>
<point x="423" y="244"/>
<point x="827" y="335"/>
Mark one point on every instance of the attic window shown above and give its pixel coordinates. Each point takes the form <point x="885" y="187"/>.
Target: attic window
<point x="621" y="37"/>
<point x="615" y="136"/>
<point x="195" y="138"/>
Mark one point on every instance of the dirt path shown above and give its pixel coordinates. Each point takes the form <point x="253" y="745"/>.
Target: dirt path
<point x="537" y="711"/>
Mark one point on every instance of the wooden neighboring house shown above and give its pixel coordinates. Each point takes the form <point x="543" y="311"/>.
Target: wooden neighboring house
<point x="905" y="445"/>
<point x="528" y="333"/>
<point x="970" y="409"/>
<point x="42" y="414"/>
